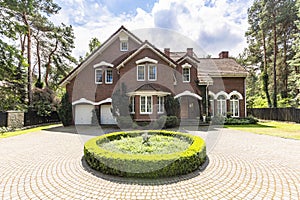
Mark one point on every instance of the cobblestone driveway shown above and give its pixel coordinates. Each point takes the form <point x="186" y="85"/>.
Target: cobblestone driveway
<point x="48" y="165"/>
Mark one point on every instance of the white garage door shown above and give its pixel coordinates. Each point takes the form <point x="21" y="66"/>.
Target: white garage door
<point x="106" y="115"/>
<point x="83" y="114"/>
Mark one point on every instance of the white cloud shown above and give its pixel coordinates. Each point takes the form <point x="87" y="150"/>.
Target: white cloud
<point x="214" y="25"/>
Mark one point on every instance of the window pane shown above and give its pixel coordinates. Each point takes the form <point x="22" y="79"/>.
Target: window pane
<point x="186" y="74"/>
<point x="98" y="76"/>
<point x="124" y="46"/>
<point x="149" y="104"/>
<point x="143" y="105"/>
<point x="141" y="72"/>
<point x="152" y="72"/>
<point x="160" y="104"/>
<point x="109" y="76"/>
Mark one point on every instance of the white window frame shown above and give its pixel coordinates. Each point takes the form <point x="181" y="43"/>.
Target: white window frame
<point x="112" y="78"/>
<point x="155" y="67"/>
<point x="126" y="45"/>
<point x="137" y="72"/>
<point x="233" y="104"/>
<point x="147" y="109"/>
<point x="220" y="104"/>
<point x="189" y="78"/>
<point x="96" y="81"/>
<point x="161" y="104"/>
<point x="132" y="101"/>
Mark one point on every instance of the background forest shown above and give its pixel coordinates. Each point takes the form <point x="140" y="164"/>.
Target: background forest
<point x="35" y="54"/>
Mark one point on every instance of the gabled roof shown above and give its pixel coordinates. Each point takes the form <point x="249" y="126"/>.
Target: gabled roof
<point x="95" y="53"/>
<point x="146" y="44"/>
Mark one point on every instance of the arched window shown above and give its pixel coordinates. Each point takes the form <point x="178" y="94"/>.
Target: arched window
<point x="234" y="106"/>
<point x="211" y="107"/>
<point x="221" y="105"/>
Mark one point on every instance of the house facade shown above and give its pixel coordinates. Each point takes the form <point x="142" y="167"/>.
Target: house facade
<point x="146" y="76"/>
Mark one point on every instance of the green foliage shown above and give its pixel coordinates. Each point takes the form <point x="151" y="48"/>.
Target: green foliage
<point x="241" y="121"/>
<point x="65" y="110"/>
<point x="156" y="144"/>
<point x="218" y="120"/>
<point x="125" y="121"/>
<point x="145" y="166"/>
<point x="172" y="106"/>
<point x="44" y="101"/>
<point x="120" y="102"/>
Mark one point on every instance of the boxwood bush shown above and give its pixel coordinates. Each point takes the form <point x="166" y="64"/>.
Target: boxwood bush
<point x="145" y="166"/>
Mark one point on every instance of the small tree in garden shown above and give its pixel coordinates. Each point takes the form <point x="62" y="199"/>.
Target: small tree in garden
<point x="44" y="101"/>
<point x="65" y="110"/>
<point x="172" y="106"/>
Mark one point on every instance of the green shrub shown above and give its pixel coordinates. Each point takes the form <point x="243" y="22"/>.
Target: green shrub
<point x="65" y="110"/>
<point x="172" y="121"/>
<point x="218" y="120"/>
<point x="145" y="166"/>
<point x="240" y="121"/>
<point x="125" y="121"/>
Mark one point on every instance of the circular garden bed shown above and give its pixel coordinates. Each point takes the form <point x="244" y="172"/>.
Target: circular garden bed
<point x="146" y="154"/>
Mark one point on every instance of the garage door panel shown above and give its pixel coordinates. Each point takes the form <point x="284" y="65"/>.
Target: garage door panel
<point x="106" y="115"/>
<point x="83" y="114"/>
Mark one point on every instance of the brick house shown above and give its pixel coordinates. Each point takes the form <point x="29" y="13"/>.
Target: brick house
<point x="147" y="75"/>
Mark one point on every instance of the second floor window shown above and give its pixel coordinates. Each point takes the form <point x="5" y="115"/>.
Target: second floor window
<point x="141" y="73"/>
<point x="109" y="76"/>
<point x="186" y="74"/>
<point x="152" y="73"/>
<point x="98" y="76"/>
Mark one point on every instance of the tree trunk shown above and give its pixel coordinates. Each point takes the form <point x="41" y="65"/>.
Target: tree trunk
<point x="39" y="81"/>
<point x="48" y="64"/>
<point x="286" y="69"/>
<point x="29" y="76"/>
<point x="265" y="74"/>
<point x="274" y="62"/>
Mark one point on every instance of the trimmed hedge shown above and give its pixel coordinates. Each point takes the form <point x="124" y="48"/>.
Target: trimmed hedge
<point x="145" y="166"/>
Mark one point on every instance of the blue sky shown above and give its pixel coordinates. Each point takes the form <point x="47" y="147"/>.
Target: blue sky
<point x="214" y="25"/>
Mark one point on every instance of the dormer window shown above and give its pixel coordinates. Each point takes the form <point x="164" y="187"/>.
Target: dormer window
<point x="108" y="76"/>
<point x="186" y="73"/>
<point x="141" y="72"/>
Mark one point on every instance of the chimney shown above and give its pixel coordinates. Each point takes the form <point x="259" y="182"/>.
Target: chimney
<point x="189" y="51"/>
<point x="223" y="54"/>
<point x="167" y="52"/>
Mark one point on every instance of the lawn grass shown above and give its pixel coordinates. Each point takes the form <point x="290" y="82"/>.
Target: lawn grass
<point x="20" y="132"/>
<point x="273" y="128"/>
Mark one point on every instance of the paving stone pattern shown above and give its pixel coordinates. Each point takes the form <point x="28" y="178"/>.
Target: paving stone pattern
<point x="49" y="165"/>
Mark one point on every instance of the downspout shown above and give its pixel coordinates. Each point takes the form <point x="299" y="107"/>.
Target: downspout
<point x="206" y="98"/>
<point x="245" y="101"/>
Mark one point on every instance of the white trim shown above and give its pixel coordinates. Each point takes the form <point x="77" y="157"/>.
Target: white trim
<point x="142" y="47"/>
<point x="222" y="93"/>
<point x="186" y="65"/>
<point x="148" y="93"/>
<point x="137" y="72"/>
<point x="188" y="93"/>
<point x="112" y="78"/>
<point x="103" y="63"/>
<point x="146" y="59"/>
<point x="97" y="82"/>
<point x="235" y="93"/>
<point x="148" y="66"/>
<point x="85" y="101"/>
<point x="212" y="94"/>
